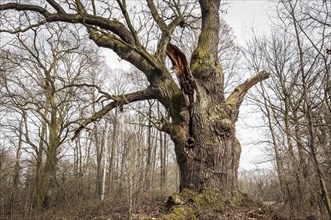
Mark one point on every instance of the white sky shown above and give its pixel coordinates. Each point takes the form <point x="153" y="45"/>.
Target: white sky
<point x="243" y="16"/>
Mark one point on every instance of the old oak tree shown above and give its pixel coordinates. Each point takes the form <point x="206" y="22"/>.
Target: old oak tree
<point x="202" y="120"/>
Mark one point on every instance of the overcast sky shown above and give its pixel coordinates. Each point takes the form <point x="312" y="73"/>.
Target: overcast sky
<point x="243" y="15"/>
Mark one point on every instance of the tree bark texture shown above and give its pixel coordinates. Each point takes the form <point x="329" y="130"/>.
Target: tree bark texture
<point x="209" y="157"/>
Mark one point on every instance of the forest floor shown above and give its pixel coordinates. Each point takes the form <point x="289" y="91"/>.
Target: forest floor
<point x="156" y="209"/>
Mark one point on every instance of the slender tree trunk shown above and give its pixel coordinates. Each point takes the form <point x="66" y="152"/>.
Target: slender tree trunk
<point x="154" y="156"/>
<point x="80" y="168"/>
<point x="123" y="172"/>
<point x="165" y="163"/>
<point x="284" y="189"/>
<point x="293" y="162"/>
<point x="38" y="190"/>
<point x="141" y="152"/>
<point x="163" y="156"/>
<point x="99" y="153"/>
<point x="17" y="169"/>
<point x="112" y="153"/>
<point x="130" y="195"/>
<point x="302" y="155"/>
<point x="105" y="147"/>
<point x="149" y="149"/>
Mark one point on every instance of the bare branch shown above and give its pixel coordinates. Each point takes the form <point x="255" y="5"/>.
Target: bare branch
<point x="56" y="6"/>
<point x="140" y="60"/>
<point x="236" y="97"/>
<point x="112" y="25"/>
<point x="167" y="30"/>
<point x="22" y="30"/>
<point x="128" y="21"/>
<point x="156" y="16"/>
<point x="118" y="101"/>
<point x="106" y="94"/>
<point x="25" y="7"/>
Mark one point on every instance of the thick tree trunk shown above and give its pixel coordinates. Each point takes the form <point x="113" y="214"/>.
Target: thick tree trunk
<point x="203" y="124"/>
<point x="203" y="127"/>
<point x="208" y="156"/>
<point x="214" y="168"/>
<point x="208" y="151"/>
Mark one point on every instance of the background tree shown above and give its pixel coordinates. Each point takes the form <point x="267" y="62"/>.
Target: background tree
<point x="41" y="94"/>
<point x="294" y="103"/>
